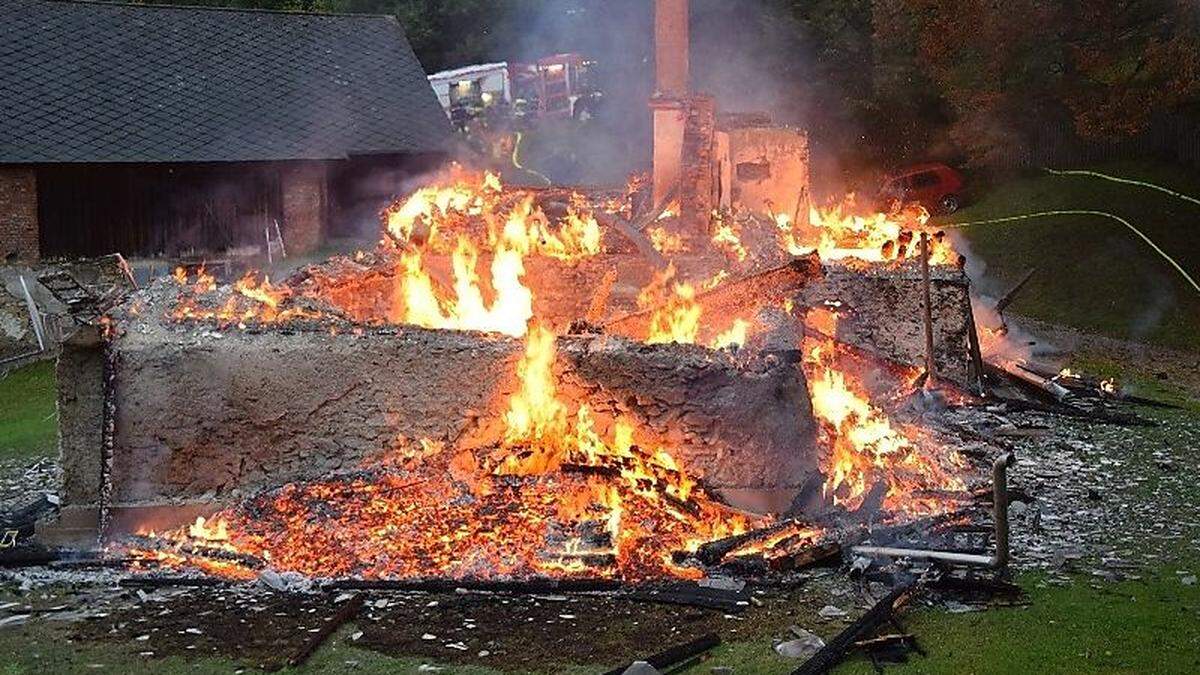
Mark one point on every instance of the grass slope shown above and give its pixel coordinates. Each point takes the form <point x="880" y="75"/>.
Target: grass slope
<point x="1093" y="273"/>
<point x="28" y="427"/>
<point x="1145" y="626"/>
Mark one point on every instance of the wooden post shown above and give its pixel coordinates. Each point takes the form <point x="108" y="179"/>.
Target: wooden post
<point x="930" y="361"/>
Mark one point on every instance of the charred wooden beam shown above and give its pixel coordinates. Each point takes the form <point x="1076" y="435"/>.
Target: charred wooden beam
<point x="674" y="656"/>
<point x="739" y="297"/>
<point x="927" y="310"/>
<point x="526" y="586"/>
<point x="809" y="557"/>
<point x="28" y="555"/>
<point x="22" y="519"/>
<point x="689" y="594"/>
<point x="978" y="382"/>
<point x="1030" y="380"/>
<point x="837" y="648"/>
<point x="713" y="552"/>
<point x="1008" y="298"/>
<point x="885" y="641"/>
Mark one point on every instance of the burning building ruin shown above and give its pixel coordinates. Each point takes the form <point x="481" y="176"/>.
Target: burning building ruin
<point x="522" y="382"/>
<point x="405" y="361"/>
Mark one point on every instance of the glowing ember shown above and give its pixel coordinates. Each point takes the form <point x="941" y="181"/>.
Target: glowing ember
<point x="666" y="242"/>
<point x="728" y="239"/>
<point x="556" y="498"/>
<point x="562" y="491"/>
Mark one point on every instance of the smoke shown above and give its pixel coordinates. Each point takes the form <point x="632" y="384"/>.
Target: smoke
<point x="618" y="37"/>
<point x="748" y="55"/>
<point x="998" y="336"/>
<point x="745" y="54"/>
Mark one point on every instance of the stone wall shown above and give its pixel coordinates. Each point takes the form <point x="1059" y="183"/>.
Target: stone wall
<point x="764" y="169"/>
<point x="305" y="212"/>
<point x="18" y="213"/>
<point x="202" y="416"/>
<point x="880" y="310"/>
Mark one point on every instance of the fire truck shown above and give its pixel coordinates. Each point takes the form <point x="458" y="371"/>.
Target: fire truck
<point x="555" y="87"/>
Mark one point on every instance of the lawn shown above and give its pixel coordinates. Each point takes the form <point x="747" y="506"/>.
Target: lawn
<point x="1139" y="626"/>
<point x="28" y="424"/>
<point x="1093" y="273"/>
<point x="1150" y="625"/>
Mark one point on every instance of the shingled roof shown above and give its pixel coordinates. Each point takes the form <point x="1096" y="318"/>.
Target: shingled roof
<point x="99" y="82"/>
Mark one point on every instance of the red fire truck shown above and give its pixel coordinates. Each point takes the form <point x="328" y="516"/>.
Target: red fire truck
<point x="556" y="87"/>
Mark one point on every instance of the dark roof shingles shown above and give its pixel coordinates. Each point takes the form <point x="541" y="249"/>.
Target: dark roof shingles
<point x="93" y="82"/>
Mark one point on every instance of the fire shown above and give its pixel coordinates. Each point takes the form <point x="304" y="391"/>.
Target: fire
<point x="836" y="233"/>
<point x="559" y="488"/>
<point x="734" y="337"/>
<point x="535" y="414"/>
<point x="727" y="238"/>
<point x="678" y="320"/>
<point x="556" y="497"/>
<point x="666" y="242"/>
<point x="865" y="447"/>
<point x="250" y="301"/>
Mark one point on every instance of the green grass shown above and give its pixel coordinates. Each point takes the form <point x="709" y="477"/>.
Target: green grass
<point x="1144" y="626"/>
<point x="28" y="424"/>
<point x="1093" y="273"/>
<point x="1147" y="626"/>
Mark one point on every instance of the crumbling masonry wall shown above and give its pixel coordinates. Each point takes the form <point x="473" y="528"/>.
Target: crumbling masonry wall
<point x="880" y="310"/>
<point x="202" y="415"/>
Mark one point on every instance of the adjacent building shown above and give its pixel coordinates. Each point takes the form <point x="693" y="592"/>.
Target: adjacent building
<point x="150" y="130"/>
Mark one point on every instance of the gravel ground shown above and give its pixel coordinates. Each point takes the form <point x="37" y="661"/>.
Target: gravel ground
<point x="1108" y="500"/>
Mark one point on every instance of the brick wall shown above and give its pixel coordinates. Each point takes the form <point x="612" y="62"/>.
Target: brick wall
<point x="304" y="207"/>
<point x="18" y="212"/>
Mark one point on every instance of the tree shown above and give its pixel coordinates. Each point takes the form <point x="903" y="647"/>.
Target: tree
<point x="1130" y="60"/>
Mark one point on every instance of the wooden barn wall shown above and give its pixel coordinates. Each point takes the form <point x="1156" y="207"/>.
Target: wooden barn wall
<point x="151" y="210"/>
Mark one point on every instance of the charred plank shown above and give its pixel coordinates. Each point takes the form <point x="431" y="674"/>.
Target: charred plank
<point x="837" y="648"/>
<point x="676" y="655"/>
<point x="348" y="611"/>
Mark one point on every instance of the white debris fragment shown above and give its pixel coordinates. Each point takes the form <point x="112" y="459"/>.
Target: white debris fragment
<point x="428" y="637"/>
<point x="804" y="646"/>
<point x="641" y="668"/>
<point x="829" y="612"/>
<point x="14" y="620"/>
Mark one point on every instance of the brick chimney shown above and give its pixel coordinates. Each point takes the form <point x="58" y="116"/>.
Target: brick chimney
<point x="669" y="104"/>
<point x="671" y="44"/>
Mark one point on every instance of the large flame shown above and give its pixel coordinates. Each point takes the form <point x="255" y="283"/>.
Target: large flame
<point x="562" y="489"/>
<point x="866" y="448"/>
<point x="555" y="497"/>
<point x="838" y="233"/>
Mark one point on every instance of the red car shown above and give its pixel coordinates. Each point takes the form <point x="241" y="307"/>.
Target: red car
<point x="937" y="187"/>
